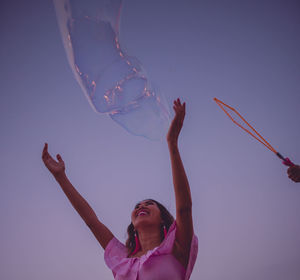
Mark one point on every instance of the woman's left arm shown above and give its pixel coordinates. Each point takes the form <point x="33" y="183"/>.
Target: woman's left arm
<point x="184" y="220"/>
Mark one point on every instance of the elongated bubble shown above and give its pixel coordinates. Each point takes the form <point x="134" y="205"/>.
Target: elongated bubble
<point x="113" y="82"/>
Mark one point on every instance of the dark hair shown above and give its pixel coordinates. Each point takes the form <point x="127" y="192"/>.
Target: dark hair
<point x="167" y="222"/>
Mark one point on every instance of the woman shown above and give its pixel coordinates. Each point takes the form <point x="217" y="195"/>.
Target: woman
<point x="157" y="247"/>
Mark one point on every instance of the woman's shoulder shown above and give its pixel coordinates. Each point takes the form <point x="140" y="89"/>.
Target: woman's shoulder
<point x="115" y="250"/>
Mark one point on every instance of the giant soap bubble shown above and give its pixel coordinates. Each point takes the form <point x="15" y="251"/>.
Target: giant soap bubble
<point x="113" y="82"/>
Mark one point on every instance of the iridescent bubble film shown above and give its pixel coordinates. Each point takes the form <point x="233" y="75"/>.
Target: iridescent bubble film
<point x="113" y="82"/>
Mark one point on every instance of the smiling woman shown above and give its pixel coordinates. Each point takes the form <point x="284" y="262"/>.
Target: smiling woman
<point x="146" y="211"/>
<point x="158" y="247"/>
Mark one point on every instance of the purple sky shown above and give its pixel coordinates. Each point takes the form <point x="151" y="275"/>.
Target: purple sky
<point x="246" y="211"/>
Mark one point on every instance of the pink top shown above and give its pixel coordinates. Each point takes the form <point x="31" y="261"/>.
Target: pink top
<point x="158" y="264"/>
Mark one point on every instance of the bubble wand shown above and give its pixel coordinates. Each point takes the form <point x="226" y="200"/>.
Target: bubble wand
<point x="254" y="133"/>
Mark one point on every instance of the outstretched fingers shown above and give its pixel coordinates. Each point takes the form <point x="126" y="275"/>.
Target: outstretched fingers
<point x="59" y="158"/>
<point x="56" y="167"/>
<point x="45" y="153"/>
<point x="177" y="122"/>
<point x="46" y="156"/>
<point x="179" y="107"/>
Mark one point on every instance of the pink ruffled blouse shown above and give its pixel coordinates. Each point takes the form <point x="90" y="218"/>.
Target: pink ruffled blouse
<point x="158" y="264"/>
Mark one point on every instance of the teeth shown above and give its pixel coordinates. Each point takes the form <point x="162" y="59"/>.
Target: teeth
<point x="142" y="213"/>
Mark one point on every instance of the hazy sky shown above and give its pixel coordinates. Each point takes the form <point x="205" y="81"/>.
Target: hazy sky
<point x="246" y="210"/>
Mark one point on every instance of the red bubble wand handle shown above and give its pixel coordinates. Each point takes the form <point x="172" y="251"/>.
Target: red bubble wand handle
<point x="226" y="108"/>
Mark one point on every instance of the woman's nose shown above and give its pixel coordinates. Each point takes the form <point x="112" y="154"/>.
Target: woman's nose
<point x="142" y="205"/>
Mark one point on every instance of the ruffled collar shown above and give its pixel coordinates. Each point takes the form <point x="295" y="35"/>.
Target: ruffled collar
<point x="165" y="247"/>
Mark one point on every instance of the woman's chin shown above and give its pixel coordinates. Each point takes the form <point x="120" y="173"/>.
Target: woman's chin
<point x="144" y="221"/>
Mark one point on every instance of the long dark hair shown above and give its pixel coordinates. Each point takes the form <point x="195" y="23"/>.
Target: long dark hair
<point x="167" y="218"/>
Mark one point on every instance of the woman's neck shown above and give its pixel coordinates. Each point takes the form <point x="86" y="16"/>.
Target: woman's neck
<point x="149" y="239"/>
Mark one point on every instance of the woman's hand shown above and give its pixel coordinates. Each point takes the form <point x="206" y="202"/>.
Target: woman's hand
<point x="55" y="167"/>
<point x="294" y="173"/>
<point x="177" y="123"/>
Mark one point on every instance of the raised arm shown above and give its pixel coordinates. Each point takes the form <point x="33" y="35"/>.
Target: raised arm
<point x="184" y="221"/>
<point x="57" y="168"/>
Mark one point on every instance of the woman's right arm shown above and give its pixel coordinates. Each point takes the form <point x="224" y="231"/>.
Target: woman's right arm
<point x="57" y="168"/>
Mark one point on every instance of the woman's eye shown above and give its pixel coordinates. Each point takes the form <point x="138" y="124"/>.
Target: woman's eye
<point x="137" y="206"/>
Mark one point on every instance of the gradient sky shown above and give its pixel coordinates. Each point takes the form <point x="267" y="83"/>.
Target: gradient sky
<point x="246" y="210"/>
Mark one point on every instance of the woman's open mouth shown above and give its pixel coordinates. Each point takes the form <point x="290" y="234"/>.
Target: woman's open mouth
<point x="142" y="212"/>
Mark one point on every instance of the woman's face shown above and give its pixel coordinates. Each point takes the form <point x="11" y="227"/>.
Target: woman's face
<point x="146" y="212"/>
